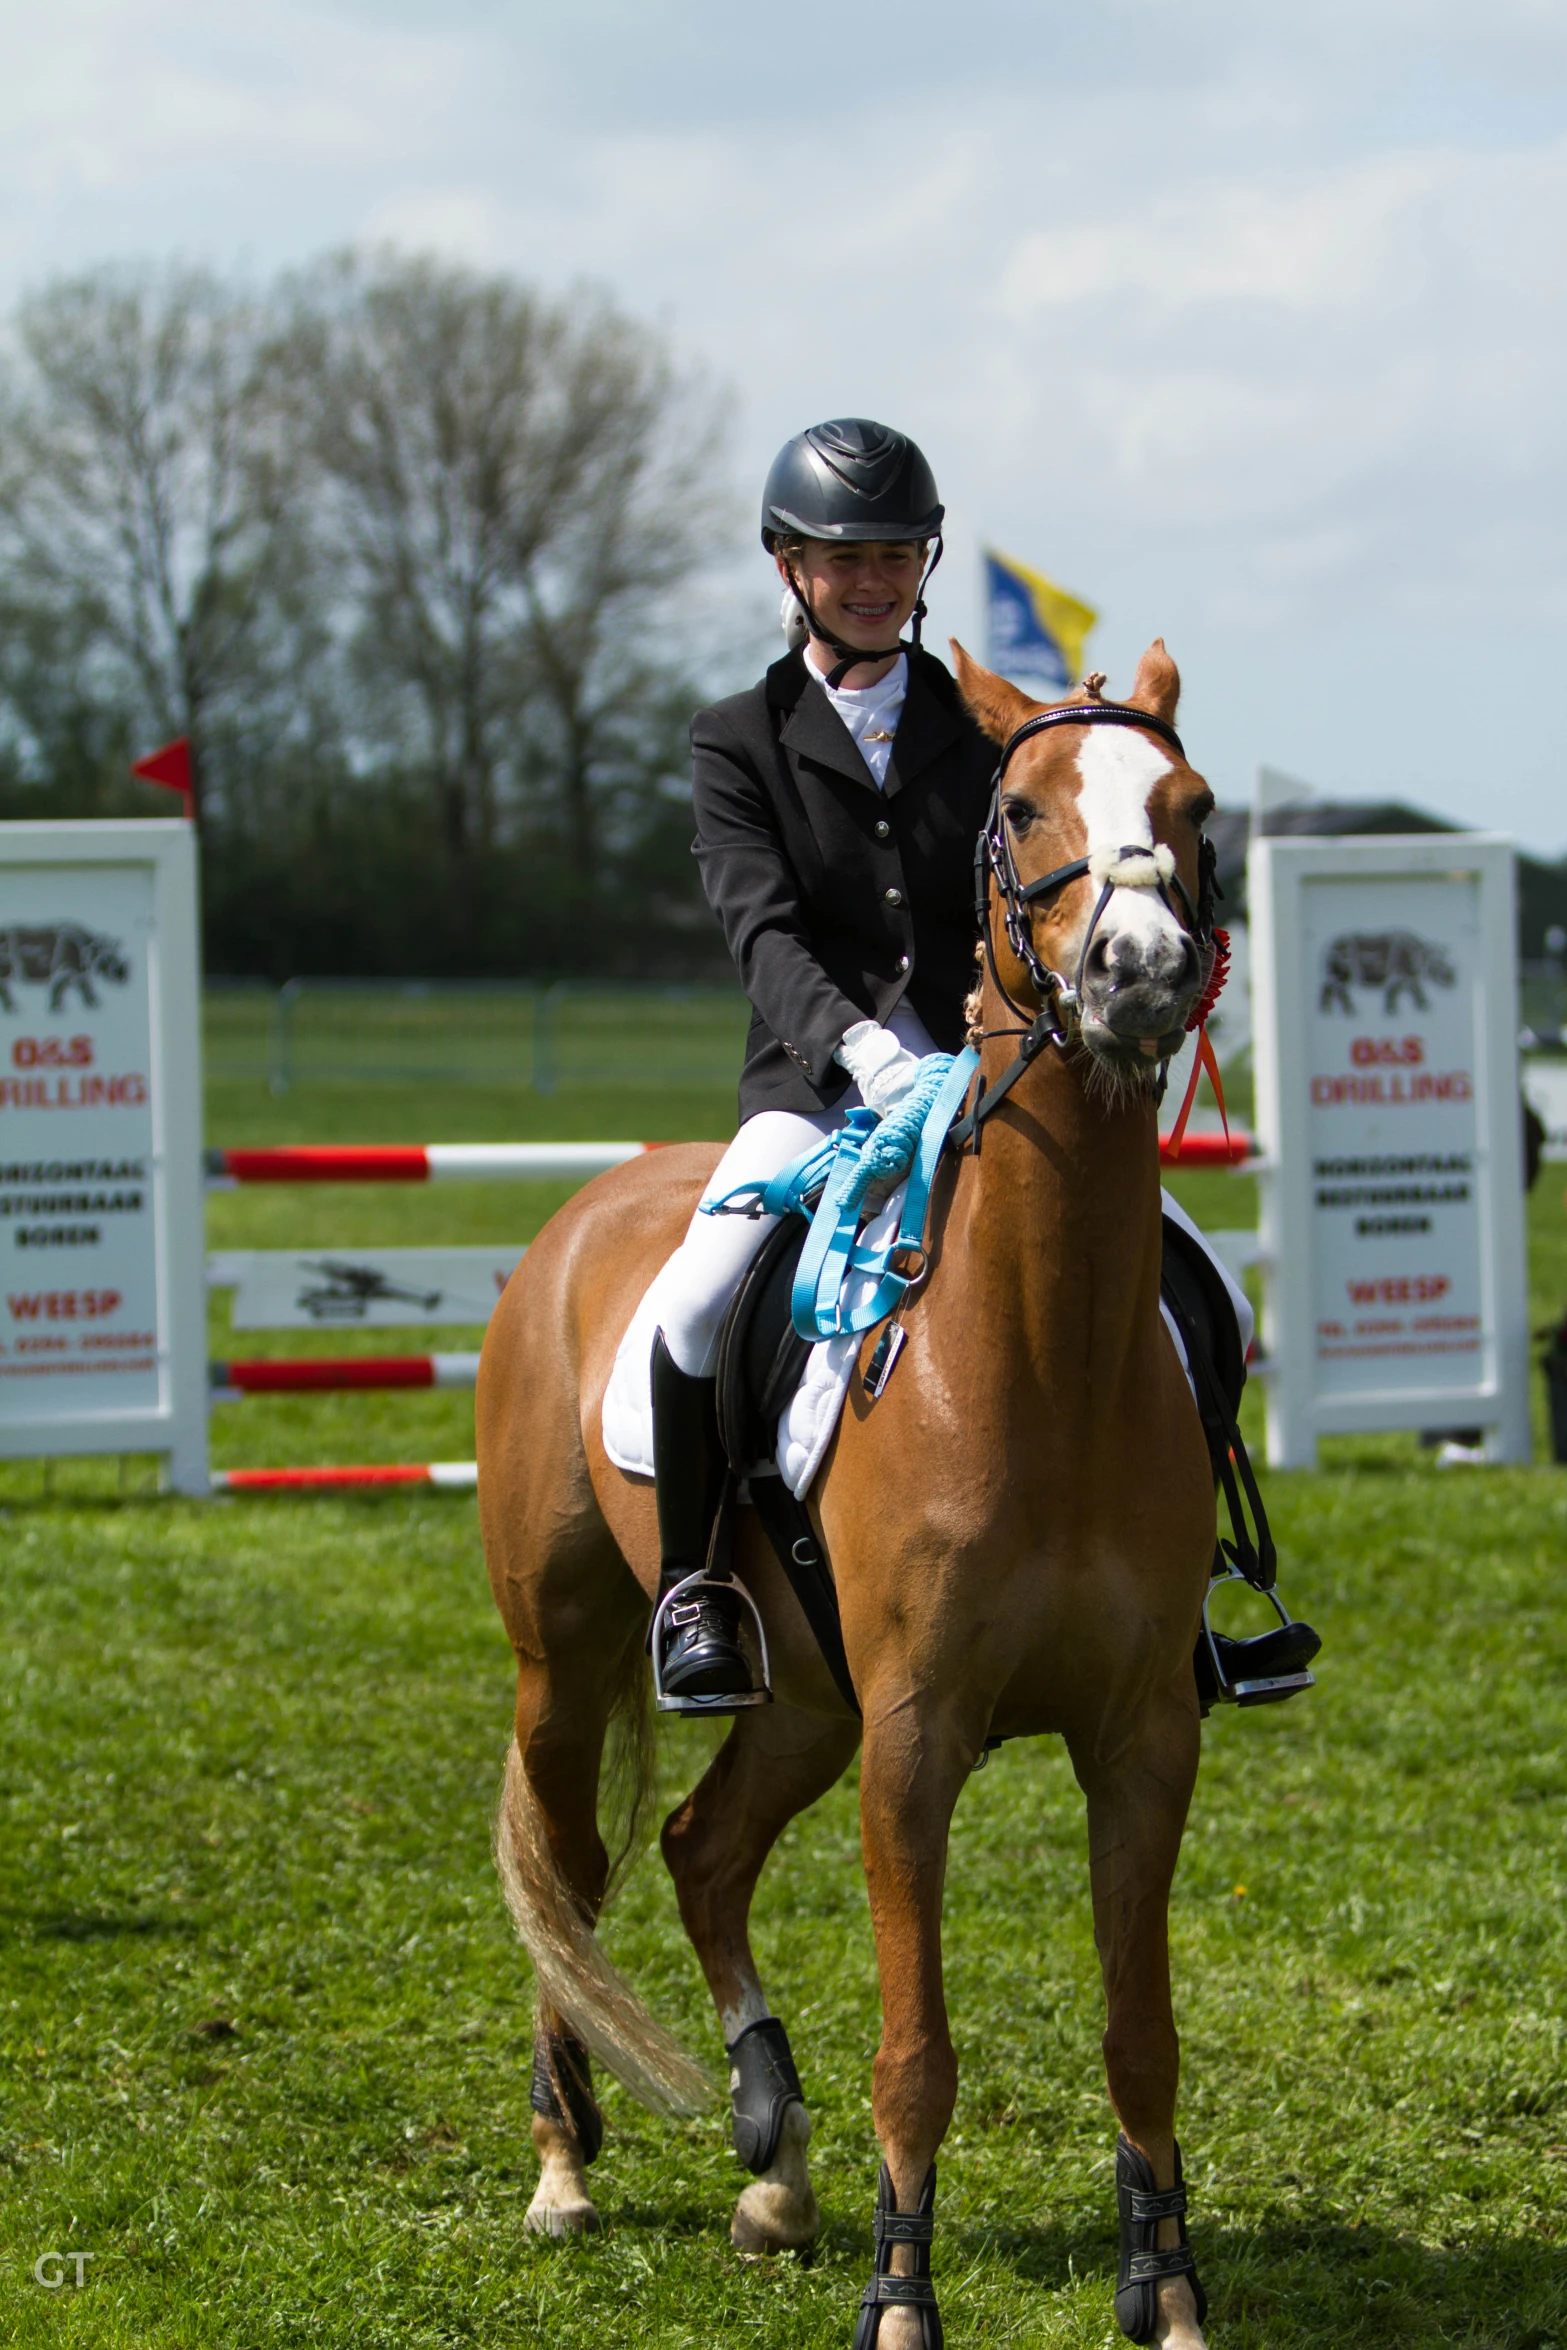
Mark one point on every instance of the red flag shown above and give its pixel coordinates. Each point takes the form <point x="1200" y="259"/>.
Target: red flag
<point x="170" y="767"/>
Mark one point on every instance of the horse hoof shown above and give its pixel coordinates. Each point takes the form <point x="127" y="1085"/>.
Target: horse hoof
<point x="543" y="2218"/>
<point x="1178" y="2328"/>
<point x="771" y="2219"/>
<point x="777" y="2212"/>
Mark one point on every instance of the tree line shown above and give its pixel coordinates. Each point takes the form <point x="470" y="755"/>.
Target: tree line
<point x="410" y="554"/>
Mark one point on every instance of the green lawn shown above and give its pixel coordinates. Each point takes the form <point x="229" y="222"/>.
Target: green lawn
<point x="266" y="2033"/>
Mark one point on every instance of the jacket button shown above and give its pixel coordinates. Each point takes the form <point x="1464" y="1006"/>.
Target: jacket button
<point x="883" y="829"/>
<point x="905" y="963"/>
<point x="894" y="897"/>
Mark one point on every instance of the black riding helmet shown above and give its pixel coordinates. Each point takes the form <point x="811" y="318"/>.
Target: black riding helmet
<point x="851" y="479"/>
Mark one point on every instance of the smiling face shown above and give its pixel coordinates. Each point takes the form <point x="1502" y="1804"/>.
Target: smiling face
<point x="862" y="594"/>
<point x="1126" y="801"/>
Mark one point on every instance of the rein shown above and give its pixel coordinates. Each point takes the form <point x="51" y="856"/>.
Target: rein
<point x="1134" y="867"/>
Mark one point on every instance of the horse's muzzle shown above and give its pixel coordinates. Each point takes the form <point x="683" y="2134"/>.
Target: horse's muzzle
<point x="1137" y="995"/>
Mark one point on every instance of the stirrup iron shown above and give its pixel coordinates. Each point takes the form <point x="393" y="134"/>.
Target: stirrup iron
<point x="885" y="2291"/>
<point x="722" y="1701"/>
<point x="1263" y="1689"/>
<point x="1142" y="2204"/>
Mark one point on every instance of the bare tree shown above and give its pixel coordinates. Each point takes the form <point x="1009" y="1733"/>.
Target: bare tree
<point x="149" y="500"/>
<point x="519" y="486"/>
<point x="411" y="555"/>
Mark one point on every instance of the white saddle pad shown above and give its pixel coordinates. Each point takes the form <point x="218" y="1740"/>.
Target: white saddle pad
<point x="805" y="1428"/>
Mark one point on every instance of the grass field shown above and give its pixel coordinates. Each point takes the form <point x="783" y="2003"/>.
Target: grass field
<point x="266" y="2033"/>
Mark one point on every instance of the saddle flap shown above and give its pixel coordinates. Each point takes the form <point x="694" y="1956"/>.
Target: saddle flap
<point x="1193" y="1289"/>
<point x="761" y="1357"/>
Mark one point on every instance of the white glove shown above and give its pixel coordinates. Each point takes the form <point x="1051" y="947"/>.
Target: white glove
<point x="885" y="1071"/>
<point x="791" y="619"/>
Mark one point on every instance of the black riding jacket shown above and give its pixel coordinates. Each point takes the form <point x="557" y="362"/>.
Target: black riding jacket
<point x="836" y="898"/>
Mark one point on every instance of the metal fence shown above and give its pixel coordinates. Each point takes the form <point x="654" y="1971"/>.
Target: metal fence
<point x="471" y="1033"/>
<point x="1542" y="1000"/>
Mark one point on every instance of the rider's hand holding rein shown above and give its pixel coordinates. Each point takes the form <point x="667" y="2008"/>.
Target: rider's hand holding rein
<point x="885" y="1071"/>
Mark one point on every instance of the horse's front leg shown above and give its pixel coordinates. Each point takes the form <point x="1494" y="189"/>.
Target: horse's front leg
<point x="915" y="1763"/>
<point x="1138" y="1790"/>
<point x="775" y="1762"/>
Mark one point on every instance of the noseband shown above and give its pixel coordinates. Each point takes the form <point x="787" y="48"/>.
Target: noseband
<point x="1134" y="867"/>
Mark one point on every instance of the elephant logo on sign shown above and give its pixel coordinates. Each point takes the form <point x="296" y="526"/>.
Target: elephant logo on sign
<point x="1394" y="960"/>
<point x="59" y="956"/>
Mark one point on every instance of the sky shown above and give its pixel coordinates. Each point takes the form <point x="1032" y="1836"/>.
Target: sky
<point x="1245" y="322"/>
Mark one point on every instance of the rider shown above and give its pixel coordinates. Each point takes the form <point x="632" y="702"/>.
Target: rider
<point x="837" y="807"/>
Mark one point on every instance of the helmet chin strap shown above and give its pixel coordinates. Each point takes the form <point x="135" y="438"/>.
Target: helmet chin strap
<point x="850" y="656"/>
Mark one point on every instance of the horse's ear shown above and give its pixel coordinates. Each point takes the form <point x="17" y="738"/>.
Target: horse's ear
<point x="1157" y="685"/>
<point x="997" y="708"/>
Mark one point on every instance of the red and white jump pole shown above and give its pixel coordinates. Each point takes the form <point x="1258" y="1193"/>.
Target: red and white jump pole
<point x="446" y="1476"/>
<point x="319" y="1374"/>
<point x="532" y="1162"/>
<point x="421" y="1162"/>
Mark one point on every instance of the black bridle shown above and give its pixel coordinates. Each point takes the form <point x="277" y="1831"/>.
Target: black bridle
<point x="1060" y="999"/>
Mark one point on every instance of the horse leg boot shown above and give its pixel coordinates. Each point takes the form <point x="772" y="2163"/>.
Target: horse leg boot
<point x="700" y="1651"/>
<point x="770" y="1768"/>
<point x="568" y="2131"/>
<point x="1137" y="1801"/>
<point x="914" y="1768"/>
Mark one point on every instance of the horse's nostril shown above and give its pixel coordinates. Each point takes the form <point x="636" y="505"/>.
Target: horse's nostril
<point x="1191" y="962"/>
<point x="1096" y="963"/>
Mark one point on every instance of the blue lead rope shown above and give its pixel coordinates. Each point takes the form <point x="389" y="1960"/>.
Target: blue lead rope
<point x="865" y="1151"/>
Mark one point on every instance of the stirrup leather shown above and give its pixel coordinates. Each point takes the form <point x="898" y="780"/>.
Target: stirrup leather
<point x="666" y="1615"/>
<point x="1264" y="1689"/>
<point x="885" y="2291"/>
<point x="1142" y="2204"/>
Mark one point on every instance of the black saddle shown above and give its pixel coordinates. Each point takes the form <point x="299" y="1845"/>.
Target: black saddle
<point x="761" y="1356"/>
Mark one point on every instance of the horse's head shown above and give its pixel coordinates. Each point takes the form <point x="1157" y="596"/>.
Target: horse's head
<point x="1121" y="804"/>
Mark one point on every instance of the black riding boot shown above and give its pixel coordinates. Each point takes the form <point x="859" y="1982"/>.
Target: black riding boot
<point x="700" y="1639"/>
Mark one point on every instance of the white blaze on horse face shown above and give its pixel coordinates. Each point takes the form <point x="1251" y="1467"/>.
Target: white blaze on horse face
<point x="1120" y="767"/>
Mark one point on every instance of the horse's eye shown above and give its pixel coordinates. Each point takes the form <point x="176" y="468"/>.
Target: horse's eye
<point x="1201" y="810"/>
<point x="1019" y="815"/>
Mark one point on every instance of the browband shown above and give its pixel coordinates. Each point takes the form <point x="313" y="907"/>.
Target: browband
<point x="1089" y="714"/>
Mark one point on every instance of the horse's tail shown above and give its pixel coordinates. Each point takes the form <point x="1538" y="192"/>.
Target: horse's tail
<point x="576" y="1980"/>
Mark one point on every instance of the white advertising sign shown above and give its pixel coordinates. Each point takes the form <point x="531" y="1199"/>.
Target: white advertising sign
<point x="1385" y="1000"/>
<point x="102" y="1316"/>
<point x="361" y="1288"/>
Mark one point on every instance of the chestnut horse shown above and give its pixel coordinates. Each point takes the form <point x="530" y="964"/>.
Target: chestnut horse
<point x="1020" y="1530"/>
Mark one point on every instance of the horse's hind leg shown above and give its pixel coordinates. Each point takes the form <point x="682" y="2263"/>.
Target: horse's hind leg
<point x="1137" y="1802"/>
<point x="774" y="1763"/>
<point x="552" y="1860"/>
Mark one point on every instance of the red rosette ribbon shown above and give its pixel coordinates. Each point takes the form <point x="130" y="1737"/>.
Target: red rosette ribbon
<point x="1204" y="1057"/>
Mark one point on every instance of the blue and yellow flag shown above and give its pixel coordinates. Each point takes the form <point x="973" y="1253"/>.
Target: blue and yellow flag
<point x="1036" y="630"/>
